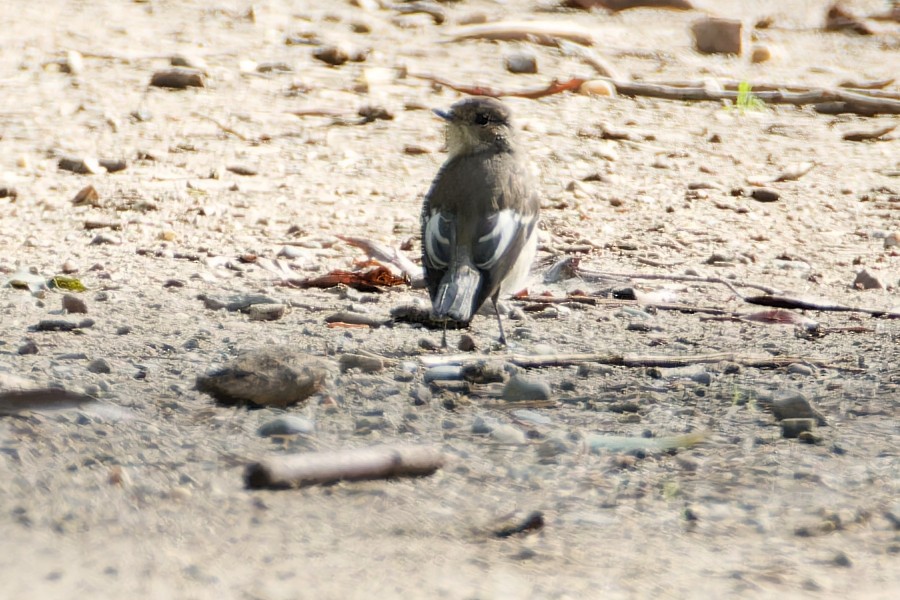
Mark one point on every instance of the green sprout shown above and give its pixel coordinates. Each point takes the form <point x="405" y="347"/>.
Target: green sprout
<point x="746" y="100"/>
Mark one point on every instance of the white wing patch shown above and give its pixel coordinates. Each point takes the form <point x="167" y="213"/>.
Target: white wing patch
<point x="502" y="229"/>
<point x="437" y="239"/>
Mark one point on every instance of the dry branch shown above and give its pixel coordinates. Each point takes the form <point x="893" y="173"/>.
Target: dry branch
<point x="359" y="464"/>
<point x="542" y="32"/>
<point x="761" y="361"/>
<point x="778" y="301"/>
<point x="729" y="283"/>
<point x="554" y="87"/>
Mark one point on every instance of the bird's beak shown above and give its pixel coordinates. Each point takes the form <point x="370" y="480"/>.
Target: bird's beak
<point x="447" y="116"/>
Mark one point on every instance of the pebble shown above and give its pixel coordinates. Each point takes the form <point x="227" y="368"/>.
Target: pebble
<point x="421" y="395"/>
<point x="484" y="372"/>
<point x="274" y="376"/>
<point x="598" y="87"/>
<point x="443" y="373"/>
<point x="508" y="434"/>
<point x="523" y="388"/>
<point x="551" y="448"/>
<point x="867" y="280"/>
<point x="792" y="428"/>
<point x="73" y="304"/>
<point x="466" y="343"/>
<point x="55" y="325"/>
<point x="332" y="55"/>
<point x="123" y="330"/>
<point x="99" y="365"/>
<point x="484" y="425"/>
<point x="87" y="195"/>
<point x="29" y="347"/>
<point x="178" y="78"/>
<point x="717" y="36"/>
<point x="521" y="62"/>
<point x="800" y="369"/>
<point x="892" y="240"/>
<point x="266" y="312"/>
<point x="102" y="239"/>
<point x="362" y="362"/>
<point x="287" y="425"/>
<point x="765" y="195"/>
<point x="531" y="416"/>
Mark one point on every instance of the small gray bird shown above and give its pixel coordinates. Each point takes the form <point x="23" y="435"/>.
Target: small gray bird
<point x="479" y="219"/>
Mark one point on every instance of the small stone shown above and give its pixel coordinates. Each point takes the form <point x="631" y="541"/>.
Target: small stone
<point x="178" y="78"/>
<point x="531" y="416"/>
<point x="100" y="365"/>
<point x="273" y="376"/>
<point x="266" y="312"/>
<point x="792" y="428"/>
<point x="717" y="36"/>
<point x="87" y="195"/>
<point x="421" y="395"/>
<point x="287" y="425"/>
<point x="362" y="362"/>
<point x="102" y="239"/>
<point x="29" y="347"/>
<point x="443" y="373"/>
<point x="551" y="448"/>
<point x="598" y="87"/>
<point x="73" y="64"/>
<point x="332" y="55"/>
<point x="55" y="325"/>
<point x="791" y="405"/>
<point x="123" y="330"/>
<point x="508" y="434"/>
<point x="765" y="195"/>
<point x="521" y="62"/>
<point x="522" y="388"/>
<point x="892" y="240"/>
<point x="800" y="369"/>
<point x="485" y="372"/>
<point x="867" y="280"/>
<point x="484" y="425"/>
<point x="466" y="343"/>
<point x="72" y="304"/>
<point x="81" y="166"/>
<point x="760" y="54"/>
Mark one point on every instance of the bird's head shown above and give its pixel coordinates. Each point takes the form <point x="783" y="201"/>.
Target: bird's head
<point x="477" y="124"/>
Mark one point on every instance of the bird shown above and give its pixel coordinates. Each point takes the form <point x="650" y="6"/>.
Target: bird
<point x="480" y="215"/>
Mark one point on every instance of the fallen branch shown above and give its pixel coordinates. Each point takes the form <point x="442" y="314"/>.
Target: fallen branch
<point x="616" y="303"/>
<point x="730" y="284"/>
<point x="778" y="301"/>
<point x="554" y="87"/>
<point x="542" y="32"/>
<point x="760" y="361"/>
<point x="391" y="256"/>
<point x="360" y="464"/>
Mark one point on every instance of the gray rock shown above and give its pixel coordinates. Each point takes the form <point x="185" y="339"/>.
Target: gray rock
<point x="72" y="304"/>
<point x="520" y="387"/>
<point x="867" y="280"/>
<point x="484" y="425"/>
<point x="443" y="373"/>
<point x="275" y="376"/>
<point x="266" y="312"/>
<point x="29" y="347"/>
<point x="793" y="428"/>
<point x="508" y="434"/>
<point x="800" y="369"/>
<point x="99" y="365"/>
<point x="421" y="395"/>
<point x="521" y="62"/>
<point x="531" y="416"/>
<point x="287" y="425"/>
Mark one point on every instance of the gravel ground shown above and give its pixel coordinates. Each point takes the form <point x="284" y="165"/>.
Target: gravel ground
<point x="141" y="494"/>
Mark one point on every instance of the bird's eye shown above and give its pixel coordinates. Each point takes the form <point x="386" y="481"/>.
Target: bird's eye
<point x="482" y="119"/>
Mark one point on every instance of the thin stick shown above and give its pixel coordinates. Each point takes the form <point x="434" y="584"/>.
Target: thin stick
<point x="730" y="284"/>
<point x="761" y="361"/>
<point x="382" y="462"/>
<point x="777" y="301"/>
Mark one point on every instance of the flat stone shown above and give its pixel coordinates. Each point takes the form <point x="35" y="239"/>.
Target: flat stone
<point x="287" y="425"/>
<point x="717" y="36"/>
<point x="523" y="388"/>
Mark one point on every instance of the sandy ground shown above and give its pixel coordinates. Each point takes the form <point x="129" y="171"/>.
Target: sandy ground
<point x="143" y="496"/>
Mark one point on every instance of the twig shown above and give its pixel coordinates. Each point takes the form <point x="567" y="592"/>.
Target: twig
<point x="730" y="284"/>
<point x="616" y="303"/>
<point x="223" y="127"/>
<point x="347" y="465"/>
<point x="554" y="87"/>
<point x="761" y="361"/>
<point x="391" y="256"/>
<point x="861" y="136"/>
<point x="542" y="32"/>
<point x="778" y="301"/>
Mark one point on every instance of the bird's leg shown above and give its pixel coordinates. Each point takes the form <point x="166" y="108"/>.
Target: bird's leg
<point x="494" y="299"/>
<point x="444" y="336"/>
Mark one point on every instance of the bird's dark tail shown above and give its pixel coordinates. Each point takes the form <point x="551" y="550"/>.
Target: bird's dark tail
<point x="457" y="293"/>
